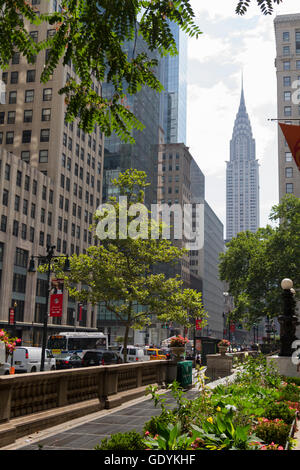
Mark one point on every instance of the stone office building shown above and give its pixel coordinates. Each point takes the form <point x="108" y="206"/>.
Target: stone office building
<point x="50" y="187"/>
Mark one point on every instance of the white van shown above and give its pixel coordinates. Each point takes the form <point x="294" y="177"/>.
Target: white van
<point x="5" y="368"/>
<point x="134" y="354"/>
<point x="28" y="359"/>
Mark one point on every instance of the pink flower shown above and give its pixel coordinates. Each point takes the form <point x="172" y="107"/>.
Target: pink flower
<point x="147" y="433"/>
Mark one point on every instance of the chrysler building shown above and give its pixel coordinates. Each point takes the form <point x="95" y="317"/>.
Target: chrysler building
<point x="242" y="177"/>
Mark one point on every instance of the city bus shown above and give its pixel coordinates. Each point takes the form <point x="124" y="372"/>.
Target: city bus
<point x="76" y="342"/>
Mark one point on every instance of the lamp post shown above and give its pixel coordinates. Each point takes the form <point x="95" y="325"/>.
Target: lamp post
<point x="47" y="259"/>
<point x="288" y="321"/>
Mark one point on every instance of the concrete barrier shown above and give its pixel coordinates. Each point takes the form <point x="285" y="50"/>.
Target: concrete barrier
<point x="32" y="402"/>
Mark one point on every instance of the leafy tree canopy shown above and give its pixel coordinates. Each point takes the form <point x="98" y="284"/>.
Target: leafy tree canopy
<point x="91" y="34"/>
<point x="255" y="263"/>
<point x="120" y="272"/>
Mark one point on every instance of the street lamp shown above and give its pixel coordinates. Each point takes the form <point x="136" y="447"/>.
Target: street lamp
<point x="47" y="259"/>
<point x="288" y="321"/>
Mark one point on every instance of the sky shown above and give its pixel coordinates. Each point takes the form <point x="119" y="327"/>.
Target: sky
<point x="229" y="46"/>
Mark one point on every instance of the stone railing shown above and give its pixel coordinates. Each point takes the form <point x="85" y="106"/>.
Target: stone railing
<point x="219" y="366"/>
<point x="34" y="401"/>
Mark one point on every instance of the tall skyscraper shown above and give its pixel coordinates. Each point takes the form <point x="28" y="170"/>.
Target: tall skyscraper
<point x="173" y="99"/>
<point x="287" y="34"/>
<point x="242" y="177"/>
<point x="50" y="187"/>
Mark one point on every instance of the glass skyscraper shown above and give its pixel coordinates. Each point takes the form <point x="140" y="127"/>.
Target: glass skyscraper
<point x="174" y="98"/>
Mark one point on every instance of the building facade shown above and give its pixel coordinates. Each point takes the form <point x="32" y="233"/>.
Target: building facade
<point x="63" y="165"/>
<point x="287" y="63"/>
<point x="242" y="177"/>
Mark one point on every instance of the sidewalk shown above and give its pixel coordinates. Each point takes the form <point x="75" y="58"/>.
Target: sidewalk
<point x="86" y="432"/>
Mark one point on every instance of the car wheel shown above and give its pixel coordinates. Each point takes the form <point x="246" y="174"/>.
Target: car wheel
<point x="6" y="372"/>
<point x="33" y="369"/>
<point x="53" y="368"/>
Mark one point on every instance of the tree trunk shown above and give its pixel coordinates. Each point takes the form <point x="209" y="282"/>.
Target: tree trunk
<point x="125" y="342"/>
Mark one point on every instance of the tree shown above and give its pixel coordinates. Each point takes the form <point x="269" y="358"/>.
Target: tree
<point x="119" y="272"/>
<point x="91" y="34"/>
<point x="254" y="264"/>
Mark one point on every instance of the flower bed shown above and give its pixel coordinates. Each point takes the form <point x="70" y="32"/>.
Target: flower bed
<point x="256" y="412"/>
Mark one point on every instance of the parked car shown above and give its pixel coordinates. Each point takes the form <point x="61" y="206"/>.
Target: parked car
<point x="100" y="357"/>
<point x="5" y="368"/>
<point x="134" y="354"/>
<point x="28" y="359"/>
<point x="166" y="352"/>
<point x="68" y="361"/>
<point x="155" y="354"/>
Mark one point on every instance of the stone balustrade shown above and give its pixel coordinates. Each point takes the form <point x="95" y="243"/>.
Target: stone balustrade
<point x="219" y="366"/>
<point x="34" y="401"/>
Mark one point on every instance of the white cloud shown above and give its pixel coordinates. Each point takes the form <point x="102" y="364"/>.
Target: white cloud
<point x="228" y="45"/>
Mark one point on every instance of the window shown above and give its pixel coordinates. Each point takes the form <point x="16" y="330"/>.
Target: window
<point x="288" y="157"/>
<point x="43" y="215"/>
<point x="11" y="117"/>
<point x="285" y="36"/>
<point x="9" y="137"/>
<point x="19" y="178"/>
<point x="25" y="156"/>
<point x="287" y="111"/>
<point x="15" y="228"/>
<point x="28" y="115"/>
<point x="286" y="65"/>
<point x="44" y="193"/>
<point x="34" y="187"/>
<point x="14" y="77"/>
<point x="29" y="96"/>
<point x="47" y="94"/>
<point x="12" y="97"/>
<point x="289" y="172"/>
<point x="1" y="137"/>
<point x="34" y="35"/>
<point x="30" y="76"/>
<point x="31" y="234"/>
<point x="286" y="50"/>
<point x="27" y="183"/>
<point x="45" y="135"/>
<point x="297" y="42"/>
<point x="289" y="188"/>
<point x="298" y="64"/>
<point x="5" y="197"/>
<point x="21" y="258"/>
<point x="24" y="231"/>
<point x="43" y="156"/>
<point x="32" y="212"/>
<point x="7" y="172"/>
<point x="25" y="206"/>
<point x="26" y="137"/>
<point x="41" y="239"/>
<point x="286" y="81"/>
<point x="3" y="223"/>
<point x="2" y="117"/>
<point x="46" y="114"/>
<point x="287" y="96"/>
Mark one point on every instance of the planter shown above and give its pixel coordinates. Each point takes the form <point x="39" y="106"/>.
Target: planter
<point x="223" y="350"/>
<point x="177" y="351"/>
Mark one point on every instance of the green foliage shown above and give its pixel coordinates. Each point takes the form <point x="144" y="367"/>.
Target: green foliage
<point x="292" y="380"/>
<point x="255" y="264"/>
<point x="266" y="6"/>
<point x="122" y="441"/>
<point x="120" y="272"/>
<point x="256" y="370"/>
<point x="272" y="431"/>
<point x="92" y="34"/>
<point x="169" y="437"/>
<point x="281" y="411"/>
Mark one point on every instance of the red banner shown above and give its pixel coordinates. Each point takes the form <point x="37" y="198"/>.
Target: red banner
<point x="198" y="324"/>
<point x="56" y="298"/>
<point x="292" y="136"/>
<point x="11" y="316"/>
<point x="80" y="312"/>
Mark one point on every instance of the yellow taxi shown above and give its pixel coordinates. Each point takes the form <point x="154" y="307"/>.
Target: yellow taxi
<point x="155" y="354"/>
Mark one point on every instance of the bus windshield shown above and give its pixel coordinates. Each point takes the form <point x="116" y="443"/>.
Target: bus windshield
<point x="57" y="342"/>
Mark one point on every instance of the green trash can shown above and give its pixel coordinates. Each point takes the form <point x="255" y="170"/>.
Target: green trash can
<point x="184" y="373"/>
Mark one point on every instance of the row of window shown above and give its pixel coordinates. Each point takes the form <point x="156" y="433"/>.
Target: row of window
<point x="26" y="136"/>
<point x="27" y="116"/>
<point x="27" y="183"/>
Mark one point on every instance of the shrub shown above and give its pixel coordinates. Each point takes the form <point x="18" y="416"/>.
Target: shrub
<point x="281" y="411"/>
<point x="131" y="440"/>
<point x="272" y="431"/>
<point x="290" y="392"/>
<point x="292" y="380"/>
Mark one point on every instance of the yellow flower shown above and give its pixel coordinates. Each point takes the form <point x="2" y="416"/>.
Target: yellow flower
<point x="218" y="408"/>
<point x="210" y="420"/>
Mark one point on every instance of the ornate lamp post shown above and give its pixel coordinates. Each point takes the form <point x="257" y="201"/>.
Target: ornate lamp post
<point x="47" y="260"/>
<point x="288" y="321"/>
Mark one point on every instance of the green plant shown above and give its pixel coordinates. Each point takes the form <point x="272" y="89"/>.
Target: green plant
<point x="292" y="380"/>
<point x="169" y="437"/>
<point x="269" y="431"/>
<point x="279" y="410"/>
<point x="290" y="392"/>
<point x="131" y="440"/>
